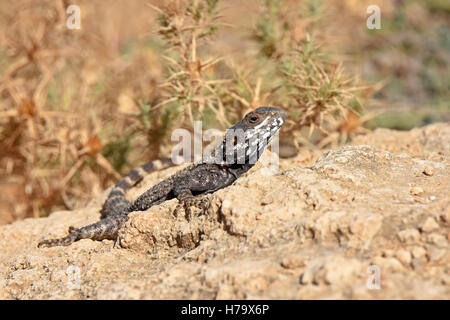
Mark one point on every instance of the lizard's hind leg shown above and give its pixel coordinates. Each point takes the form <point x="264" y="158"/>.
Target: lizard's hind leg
<point x="107" y="228"/>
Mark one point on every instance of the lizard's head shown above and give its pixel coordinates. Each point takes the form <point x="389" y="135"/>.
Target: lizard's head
<point x="246" y="140"/>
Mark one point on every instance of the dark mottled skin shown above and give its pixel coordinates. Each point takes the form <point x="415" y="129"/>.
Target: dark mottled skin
<point x="188" y="185"/>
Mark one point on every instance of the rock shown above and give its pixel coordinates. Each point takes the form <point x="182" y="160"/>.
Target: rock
<point x="409" y="236"/>
<point x="404" y="256"/>
<point x="437" y="239"/>
<point x="309" y="231"/>
<point x="388" y="264"/>
<point x="388" y="253"/>
<point x="416" y="191"/>
<point x="418" y="263"/>
<point x="429" y="171"/>
<point x="331" y="271"/>
<point x="446" y="214"/>
<point x="429" y="225"/>
<point x="445" y="279"/>
<point x="293" y="262"/>
<point x="437" y="254"/>
<point x="418" y="252"/>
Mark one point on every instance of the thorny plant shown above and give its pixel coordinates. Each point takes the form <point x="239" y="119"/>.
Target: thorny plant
<point x="315" y="91"/>
<point x="191" y="85"/>
<point x="52" y="154"/>
<point x="322" y="96"/>
<point x="78" y="108"/>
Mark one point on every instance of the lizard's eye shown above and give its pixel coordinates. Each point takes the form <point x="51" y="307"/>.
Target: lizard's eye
<point x="253" y="119"/>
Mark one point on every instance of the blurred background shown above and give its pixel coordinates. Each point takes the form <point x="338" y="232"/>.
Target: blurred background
<point x="81" y="107"/>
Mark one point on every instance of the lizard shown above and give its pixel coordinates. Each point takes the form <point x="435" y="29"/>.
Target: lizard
<point x="238" y="152"/>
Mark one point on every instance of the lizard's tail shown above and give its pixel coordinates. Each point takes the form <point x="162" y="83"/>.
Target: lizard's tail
<point x="71" y="238"/>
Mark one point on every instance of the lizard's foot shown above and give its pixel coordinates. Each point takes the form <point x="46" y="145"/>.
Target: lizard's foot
<point x="201" y="202"/>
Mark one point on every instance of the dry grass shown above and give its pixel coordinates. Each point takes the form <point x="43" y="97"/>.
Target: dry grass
<point x="62" y="105"/>
<point x="79" y="108"/>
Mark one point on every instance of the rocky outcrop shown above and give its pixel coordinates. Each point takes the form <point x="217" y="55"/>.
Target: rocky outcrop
<point x="368" y="220"/>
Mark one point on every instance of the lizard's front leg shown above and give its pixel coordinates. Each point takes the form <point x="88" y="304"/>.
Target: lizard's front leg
<point x="203" y="179"/>
<point x="154" y="196"/>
